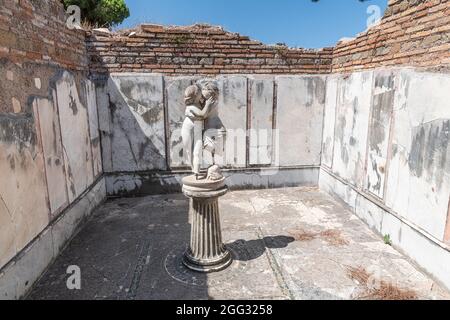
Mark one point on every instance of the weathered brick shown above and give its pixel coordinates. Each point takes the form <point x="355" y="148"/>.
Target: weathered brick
<point x="206" y="61"/>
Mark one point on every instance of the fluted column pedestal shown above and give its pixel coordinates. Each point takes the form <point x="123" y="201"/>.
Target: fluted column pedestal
<point x="206" y="252"/>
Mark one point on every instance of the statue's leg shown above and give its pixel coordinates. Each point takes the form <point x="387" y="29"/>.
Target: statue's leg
<point x="221" y="146"/>
<point x="197" y="153"/>
<point x="198" y="157"/>
<point x="211" y="146"/>
<point x="187" y="136"/>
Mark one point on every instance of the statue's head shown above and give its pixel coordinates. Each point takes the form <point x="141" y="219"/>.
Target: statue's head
<point x="210" y="89"/>
<point x="193" y="95"/>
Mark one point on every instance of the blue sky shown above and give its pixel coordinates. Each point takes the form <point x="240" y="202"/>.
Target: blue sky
<point x="298" y="23"/>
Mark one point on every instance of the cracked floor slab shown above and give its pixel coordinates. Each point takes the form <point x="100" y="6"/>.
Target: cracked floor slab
<point x="294" y="243"/>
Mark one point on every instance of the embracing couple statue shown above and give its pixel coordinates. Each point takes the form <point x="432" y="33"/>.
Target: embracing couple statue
<point x="202" y="129"/>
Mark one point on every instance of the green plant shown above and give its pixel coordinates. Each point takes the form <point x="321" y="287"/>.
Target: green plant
<point x="387" y="239"/>
<point x="180" y="40"/>
<point x="282" y="52"/>
<point x="102" y="13"/>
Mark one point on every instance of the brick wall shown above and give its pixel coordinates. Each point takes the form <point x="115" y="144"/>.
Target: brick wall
<point x="35" y="30"/>
<point x="412" y="33"/>
<point x="198" y="49"/>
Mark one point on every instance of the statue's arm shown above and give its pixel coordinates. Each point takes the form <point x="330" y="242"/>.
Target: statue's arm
<point x="204" y="113"/>
<point x="193" y="112"/>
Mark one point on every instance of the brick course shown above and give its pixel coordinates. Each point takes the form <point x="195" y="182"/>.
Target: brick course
<point x="198" y="49"/>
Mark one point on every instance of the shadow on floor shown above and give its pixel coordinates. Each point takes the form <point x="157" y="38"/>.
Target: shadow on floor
<point x="132" y="249"/>
<point x="122" y="252"/>
<point x="256" y="248"/>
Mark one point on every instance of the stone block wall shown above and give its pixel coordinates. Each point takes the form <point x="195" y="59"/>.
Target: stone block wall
<point x="388" y="138"/>
<point x="386" y="149"/>
<point x="386" y="130"/>
<point x="50" y="155"/>
<point x="271" y="122"/>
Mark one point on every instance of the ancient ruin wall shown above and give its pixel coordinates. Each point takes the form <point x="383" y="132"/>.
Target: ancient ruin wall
<point x="412" y="33"/>
<point x="49" y="140"/>
<point x="386" y="141"/>
<point x="198" y="49"/>
<point x="366" y="132"/>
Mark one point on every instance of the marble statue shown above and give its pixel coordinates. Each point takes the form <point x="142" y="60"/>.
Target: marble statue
<point x="202" y="131"/>
<point x="192" y="129"/>
<point x="202" y="128"/>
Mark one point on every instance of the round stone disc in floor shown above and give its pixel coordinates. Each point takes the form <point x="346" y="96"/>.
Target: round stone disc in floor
<point x="177" y="270"/>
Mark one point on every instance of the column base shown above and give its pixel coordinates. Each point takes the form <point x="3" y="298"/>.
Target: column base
<point x="207" y="266"/>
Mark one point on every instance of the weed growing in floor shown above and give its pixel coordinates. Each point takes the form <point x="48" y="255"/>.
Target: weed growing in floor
<point x="387" y="239"/>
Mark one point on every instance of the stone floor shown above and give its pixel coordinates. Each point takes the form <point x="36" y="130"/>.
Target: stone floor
<point x="295" y="243"/>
